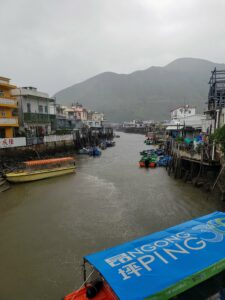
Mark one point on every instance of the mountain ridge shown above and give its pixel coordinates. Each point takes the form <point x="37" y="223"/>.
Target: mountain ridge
<point x="144" y="94"/>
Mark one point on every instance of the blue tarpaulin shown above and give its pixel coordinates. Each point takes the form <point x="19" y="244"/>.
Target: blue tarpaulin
<point x="165" y="263"/>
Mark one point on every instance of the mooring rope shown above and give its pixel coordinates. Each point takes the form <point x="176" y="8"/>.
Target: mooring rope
<point x="84" y="283"/>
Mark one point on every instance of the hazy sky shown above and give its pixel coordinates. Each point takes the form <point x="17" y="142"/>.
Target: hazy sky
<point x="52" y="44"/>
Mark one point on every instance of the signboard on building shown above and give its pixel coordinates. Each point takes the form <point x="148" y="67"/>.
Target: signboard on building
<point x="12" y="142"/>
<point x="8" y="121"/>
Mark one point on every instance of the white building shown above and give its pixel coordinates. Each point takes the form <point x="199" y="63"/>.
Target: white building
<point x="133" y="124"/>
<point x="183" y="112"/>
<point x="93" y="124"/>
<point x="80" y="112"/>
<point x="95" y="119"/>
<point x="186" y="117"/>
<point x="98" y="117"/>
<point x="37" y="110"/>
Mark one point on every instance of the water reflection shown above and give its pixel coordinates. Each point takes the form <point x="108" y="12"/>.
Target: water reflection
<point x="47" y="226"/>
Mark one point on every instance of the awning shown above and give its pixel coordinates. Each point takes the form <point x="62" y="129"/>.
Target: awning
<point x="174" y="127"/>
<point x="166" y="263"/>
<point x="48" y="161"/>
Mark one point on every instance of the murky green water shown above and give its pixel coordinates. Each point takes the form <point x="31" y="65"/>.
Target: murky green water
<point x="47" y="226"/>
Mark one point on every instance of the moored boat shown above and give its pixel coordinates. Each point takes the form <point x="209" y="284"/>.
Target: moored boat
<point x="102" y="145"/>
<point x="41" y="169"/>
<point x="95" y="152"/>
<point x="186" y="261"/>
<point x="144" y="161"/>
<point x="84" y="151"/>
<point x="148" y="142"/>
<point x="110" y="143"/>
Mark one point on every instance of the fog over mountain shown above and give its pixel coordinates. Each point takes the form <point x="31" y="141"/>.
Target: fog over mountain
<point x="145" y="94"/>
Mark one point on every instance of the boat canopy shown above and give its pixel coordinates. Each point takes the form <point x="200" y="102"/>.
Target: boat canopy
<point x="167" y="263"/>
<point x="48" y="161"/>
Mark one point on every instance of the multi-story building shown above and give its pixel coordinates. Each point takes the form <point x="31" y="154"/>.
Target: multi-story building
<point x="183" y="112"/>
<point x="133" y="124"/>
<point x="215" y="115"/>
<point x="93" y="124"/>
<point x="8" y="109"/>
<point x="184" y="118"/>
<point x="80" y="112"/>
<point x="94" y="119"/>
<point x="95" y="116"/>
<point x="65" y="118"/>
<point x="37" y="111"/>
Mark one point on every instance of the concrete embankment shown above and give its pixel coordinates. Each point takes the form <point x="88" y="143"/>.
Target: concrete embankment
<point x="51" y="146"/>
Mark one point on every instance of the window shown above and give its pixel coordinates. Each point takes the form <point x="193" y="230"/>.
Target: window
<point x="40" y="109"/>
<point x="28" y="108"/>
<point x="1" y="93"/>
<point x="46" y="109"/>
<point x="3" y="113"/>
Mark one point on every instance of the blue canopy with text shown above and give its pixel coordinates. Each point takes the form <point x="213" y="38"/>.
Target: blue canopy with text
<point x="166" y="263"/>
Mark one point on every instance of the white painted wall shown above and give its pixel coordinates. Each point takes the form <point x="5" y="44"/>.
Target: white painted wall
<point x="97" y="117"/>
<point x="58" y="138"/>
<point x="95" y="124"/>
<point x="35" y="98"/>
<point x="208" y="125"/>
<point x="222" y="118"/>
<point x="195" y="121"/>
<point x="12" y="142"/>
<point x="182" y="112"/>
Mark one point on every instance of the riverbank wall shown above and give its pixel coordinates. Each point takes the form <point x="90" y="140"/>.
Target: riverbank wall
<point x="19" y="149"/>
<point x="138" y="130"/>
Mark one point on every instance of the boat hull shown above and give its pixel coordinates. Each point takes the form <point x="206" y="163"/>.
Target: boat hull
<point x="105" y="294"/>
<point x="17" y="177"/>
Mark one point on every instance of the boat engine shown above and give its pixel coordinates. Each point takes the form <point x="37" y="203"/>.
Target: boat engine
<point x="93" y="289"/>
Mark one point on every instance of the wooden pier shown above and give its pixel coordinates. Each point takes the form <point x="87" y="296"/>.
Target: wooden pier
<point x="194" y="166"/>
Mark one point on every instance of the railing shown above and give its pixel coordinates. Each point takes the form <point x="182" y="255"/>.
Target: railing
<point x="36" y="118"/>
<point x="200" y="152"/>
<point x="4" y="101"/>
<point x="9" y="121"/>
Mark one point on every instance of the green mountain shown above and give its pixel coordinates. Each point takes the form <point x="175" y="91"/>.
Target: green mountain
<point x="146" y="94"/>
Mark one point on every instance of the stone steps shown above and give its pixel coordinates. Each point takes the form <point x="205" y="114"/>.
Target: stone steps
<point x="4" y="185"/>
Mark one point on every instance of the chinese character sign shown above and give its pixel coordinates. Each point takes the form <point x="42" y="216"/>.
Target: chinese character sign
<point x="12" y="142"/>
<point x="147" y="266"/>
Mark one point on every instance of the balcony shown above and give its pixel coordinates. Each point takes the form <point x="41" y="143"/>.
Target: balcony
<point x="8" y="102"/>
<point x="36" y="118"/>
<point x="9" y="122"/>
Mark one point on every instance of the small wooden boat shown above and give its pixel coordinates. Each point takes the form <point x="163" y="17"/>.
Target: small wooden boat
<point x="102" y="145"/>
<point x="95" y="152"/>
<point x="147" y="152"/>
<point x="148" y="142"/>
<point x="144" y="162"/>
<point x="110" y="143"/>
<point x="186" y="261"/>
<point x="141" y="164"/>
<point x="84" y="151"/>
<point x="41" y="169"/>
<point x="152" y="165"/>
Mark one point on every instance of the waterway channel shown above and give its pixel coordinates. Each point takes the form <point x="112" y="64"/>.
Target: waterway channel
<point x="47" y="226"/>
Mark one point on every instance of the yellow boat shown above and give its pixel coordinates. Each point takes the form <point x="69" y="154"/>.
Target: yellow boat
<point x="41" y="169"/>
